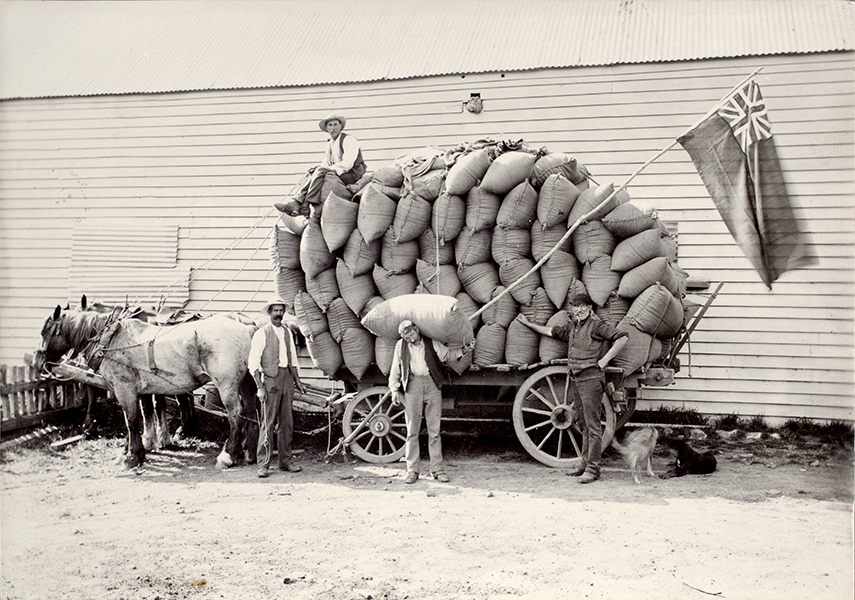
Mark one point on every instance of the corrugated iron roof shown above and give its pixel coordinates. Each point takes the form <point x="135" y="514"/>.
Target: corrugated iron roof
<point x="91" y="48"/>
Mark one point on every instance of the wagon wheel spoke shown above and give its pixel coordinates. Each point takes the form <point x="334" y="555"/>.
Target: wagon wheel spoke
<point x="541" y="397"/>
<point x="362" y="436"/>
<point x="536" y="411"/>
<point x="538" y="425"/>
<point x="545" y="438"/>
<point x="575" y="443"/>
<point x="551" y="384"/>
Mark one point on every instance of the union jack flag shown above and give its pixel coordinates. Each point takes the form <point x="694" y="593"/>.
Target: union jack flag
<point x="746" y="113"/>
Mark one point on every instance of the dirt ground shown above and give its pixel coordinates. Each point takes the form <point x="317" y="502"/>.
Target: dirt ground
<point x="774" y="521"/>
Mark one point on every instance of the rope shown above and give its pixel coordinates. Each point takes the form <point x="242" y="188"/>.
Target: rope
<point x="257" y="290"/>
<point x="205" y="264"/>
<point x="436" y="245"/>
<point x="238" y="272"/>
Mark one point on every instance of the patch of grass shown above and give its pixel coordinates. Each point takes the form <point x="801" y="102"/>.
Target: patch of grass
<point x="755" y="423"/>
<point x="726" y="422"/>
<point x="670" y="415"/>
<point x="838" y="433"/>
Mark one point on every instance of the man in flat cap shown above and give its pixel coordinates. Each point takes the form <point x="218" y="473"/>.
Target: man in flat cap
<point x="273" y="364"/>
<point x="415" y="381"/>
<point x="586" y="336"/>
<point x="343" y="165"/>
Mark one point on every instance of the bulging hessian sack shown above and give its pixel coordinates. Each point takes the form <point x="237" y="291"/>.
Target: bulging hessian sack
<point x="437" y="317"/>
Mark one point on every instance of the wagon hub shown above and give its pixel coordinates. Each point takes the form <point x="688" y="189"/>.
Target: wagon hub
<point x="561" y="417"/>
<point x="380" y="425"/>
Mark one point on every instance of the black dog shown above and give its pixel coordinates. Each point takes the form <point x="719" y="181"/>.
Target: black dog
<point x="688" y="461"/>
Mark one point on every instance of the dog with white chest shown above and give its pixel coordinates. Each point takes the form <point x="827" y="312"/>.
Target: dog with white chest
<point x="688" y="461"/>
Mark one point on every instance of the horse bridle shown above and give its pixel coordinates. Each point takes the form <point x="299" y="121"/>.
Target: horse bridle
<point x="41" y="353"/>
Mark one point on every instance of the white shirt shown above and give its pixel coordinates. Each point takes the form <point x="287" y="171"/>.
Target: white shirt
<point x="340" y="162"/>
<point x="257" y="348"/>
<point x="418" y="365"/>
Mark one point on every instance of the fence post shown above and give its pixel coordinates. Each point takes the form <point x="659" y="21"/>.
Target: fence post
<point x="32" y="393"/>
<point x="20" y="398"/>
<point x="4" y="399"/>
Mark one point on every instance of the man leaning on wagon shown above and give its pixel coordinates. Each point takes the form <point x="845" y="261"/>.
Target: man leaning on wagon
<point x="342" y="161"/>
<point x="273" y="364"/>
<point x="585" y="335"/>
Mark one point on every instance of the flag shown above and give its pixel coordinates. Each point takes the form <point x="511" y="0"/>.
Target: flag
<point x="735" y="155"/>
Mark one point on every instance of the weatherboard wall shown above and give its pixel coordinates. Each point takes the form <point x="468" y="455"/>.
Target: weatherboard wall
<point x="212" y="164"/>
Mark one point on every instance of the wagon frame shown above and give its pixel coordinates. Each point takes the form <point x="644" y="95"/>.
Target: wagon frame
<point x="375" y="431"/>
<point x="542" y="414"/>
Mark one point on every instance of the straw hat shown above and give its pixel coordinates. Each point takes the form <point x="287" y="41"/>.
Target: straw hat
<point x="272" y="302"/>
<point x="323" y="122"/>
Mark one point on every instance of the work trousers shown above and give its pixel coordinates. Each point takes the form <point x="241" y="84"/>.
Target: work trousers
<point x="276" y="407"/>
<point x="423" y="395"/>
<point x="586" y="393"/>
<point x="312" y="189"/>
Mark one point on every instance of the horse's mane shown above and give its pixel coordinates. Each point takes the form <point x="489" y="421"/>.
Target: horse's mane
<point x="80" y="328"/>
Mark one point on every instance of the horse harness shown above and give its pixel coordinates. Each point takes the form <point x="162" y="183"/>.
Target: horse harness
<point x="95" y="351"/>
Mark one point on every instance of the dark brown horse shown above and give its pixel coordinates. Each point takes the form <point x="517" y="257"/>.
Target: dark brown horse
<point x="137" y="358"/>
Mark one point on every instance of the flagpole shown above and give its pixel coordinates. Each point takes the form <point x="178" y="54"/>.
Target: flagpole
<point x="622" y="186"/>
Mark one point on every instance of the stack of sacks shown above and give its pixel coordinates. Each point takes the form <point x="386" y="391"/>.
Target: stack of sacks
<point x="289" y="278"/>
<point x="648" y="303"/>
<point x="517" y="203"/>
<point x="468" y="225"/>
<point x="361" y="250"/>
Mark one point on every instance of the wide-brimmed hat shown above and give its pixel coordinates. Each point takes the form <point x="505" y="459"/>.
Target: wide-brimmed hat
<point x="272" y="302"/>
<point x="323" y="122"/>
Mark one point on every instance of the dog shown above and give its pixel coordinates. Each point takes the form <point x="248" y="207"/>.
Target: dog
<point x="636" y="449"/>
<point x="688" y="461"/>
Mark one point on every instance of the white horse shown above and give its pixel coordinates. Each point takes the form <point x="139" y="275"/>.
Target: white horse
<point x="139" y="358"/>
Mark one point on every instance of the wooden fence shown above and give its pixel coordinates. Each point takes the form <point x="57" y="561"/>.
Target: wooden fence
<point x="26" y="401"/>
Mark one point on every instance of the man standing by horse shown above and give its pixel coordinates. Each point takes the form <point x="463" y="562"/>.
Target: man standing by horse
<point x="273" y="364"/>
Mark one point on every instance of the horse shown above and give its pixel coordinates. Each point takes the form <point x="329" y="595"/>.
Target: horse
<point x="136" y="358"/>
<point x="155" y="426"/>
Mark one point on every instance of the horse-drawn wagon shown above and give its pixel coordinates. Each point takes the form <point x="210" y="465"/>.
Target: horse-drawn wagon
<point x="475" y="225"/>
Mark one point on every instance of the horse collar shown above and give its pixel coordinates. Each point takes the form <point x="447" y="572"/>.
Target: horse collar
<point x="96" y="356"/>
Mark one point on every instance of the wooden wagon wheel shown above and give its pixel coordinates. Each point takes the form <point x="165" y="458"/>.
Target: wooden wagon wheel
<point x="543" y="418"/>
<point x="382" y="437"/>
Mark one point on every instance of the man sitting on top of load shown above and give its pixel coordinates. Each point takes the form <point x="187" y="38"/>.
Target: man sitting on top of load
<point x="342" y="161"/>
